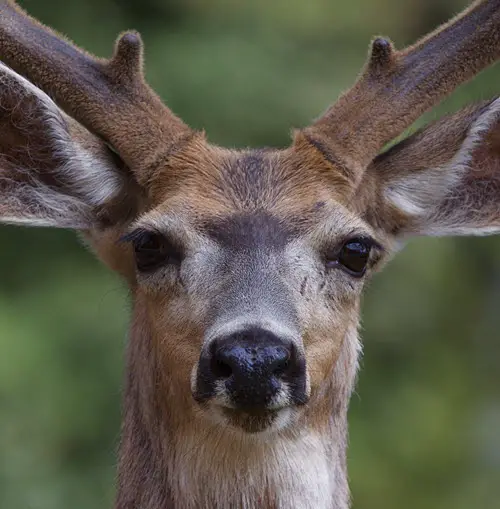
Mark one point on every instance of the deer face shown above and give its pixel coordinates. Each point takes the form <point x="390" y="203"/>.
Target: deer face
<point x="252" y="280"/>
<point x="247" y="267"/>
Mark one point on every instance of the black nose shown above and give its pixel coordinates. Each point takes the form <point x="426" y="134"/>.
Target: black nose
<point x="252" y="366"/>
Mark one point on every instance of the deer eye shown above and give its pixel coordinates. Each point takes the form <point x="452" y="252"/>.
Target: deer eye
<point x="353" y="257"/>
<point x="153" y="250"/>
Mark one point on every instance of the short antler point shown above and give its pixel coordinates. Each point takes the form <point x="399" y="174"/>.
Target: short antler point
<point x="130" y="40"/>
<point x="382" y="43"/>
<point x="382" y="53"/>
<point x="127" y="59"/>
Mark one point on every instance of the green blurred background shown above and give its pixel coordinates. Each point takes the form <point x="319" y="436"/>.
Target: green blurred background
<point x="425" y="422"/>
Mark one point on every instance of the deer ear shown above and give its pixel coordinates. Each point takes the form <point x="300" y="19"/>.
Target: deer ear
<point x="53" y="172"/>
<point x="444" y="179"/>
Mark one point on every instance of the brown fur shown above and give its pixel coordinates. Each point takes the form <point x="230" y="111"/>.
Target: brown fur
<point x="398" y="86"/>
<point x="431" y="147"/>
<point x="116" y="103"/>
<point x="321" y="191"/>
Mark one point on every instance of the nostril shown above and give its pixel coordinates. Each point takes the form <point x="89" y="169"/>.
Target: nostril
<point x="282" y="362"/>
<point x="221" y="369"/>
<point x="281" y="368"/>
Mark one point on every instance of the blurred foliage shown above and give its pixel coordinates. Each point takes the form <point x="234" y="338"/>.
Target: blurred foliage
<point x="425" y="422"/>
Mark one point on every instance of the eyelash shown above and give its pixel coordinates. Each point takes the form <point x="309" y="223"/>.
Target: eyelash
<point x="353" y="256"/>
<point x="152" y="249"/>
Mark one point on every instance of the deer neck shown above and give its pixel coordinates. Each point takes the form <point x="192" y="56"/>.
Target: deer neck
<point x="172" y="458"/>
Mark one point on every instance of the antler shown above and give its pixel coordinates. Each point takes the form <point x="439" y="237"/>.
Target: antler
<point x="396" y="87"/>
<point x="109" y="97"/>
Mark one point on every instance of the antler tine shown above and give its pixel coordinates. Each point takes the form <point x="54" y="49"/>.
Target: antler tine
<point x="109" y="97"/>
<point x="396" y="87"/>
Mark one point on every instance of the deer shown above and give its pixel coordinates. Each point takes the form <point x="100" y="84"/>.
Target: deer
<point x="245" y="267"/>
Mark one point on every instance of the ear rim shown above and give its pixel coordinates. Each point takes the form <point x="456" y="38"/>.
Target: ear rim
<point x="415" y="206"/>
<point x="93" y="181"/>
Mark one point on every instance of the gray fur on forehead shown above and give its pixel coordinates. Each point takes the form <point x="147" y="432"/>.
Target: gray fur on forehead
<point x="252" y="229"/>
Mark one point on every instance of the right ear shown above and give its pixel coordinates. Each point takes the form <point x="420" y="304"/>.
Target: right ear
<point x="53" y="172"/>
<point x="444" y="179"/>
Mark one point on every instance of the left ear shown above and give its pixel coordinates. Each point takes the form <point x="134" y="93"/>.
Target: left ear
<point x="53" y="171"/>
<point x="444" y="179"/>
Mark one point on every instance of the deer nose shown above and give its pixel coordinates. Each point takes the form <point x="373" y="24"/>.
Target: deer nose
<point x="255" y="368"/>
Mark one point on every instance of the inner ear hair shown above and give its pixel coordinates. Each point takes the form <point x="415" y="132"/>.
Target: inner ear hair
<point x="439" y="180"/>
<point x="53" y="172"/>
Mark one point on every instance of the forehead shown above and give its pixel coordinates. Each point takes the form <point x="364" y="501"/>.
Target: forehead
<point x="264" y="192"/>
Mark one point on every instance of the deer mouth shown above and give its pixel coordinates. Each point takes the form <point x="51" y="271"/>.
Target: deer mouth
<point x="256" y="420"/>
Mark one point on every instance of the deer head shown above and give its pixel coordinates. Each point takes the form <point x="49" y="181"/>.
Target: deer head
<point x="245" y="267"/>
